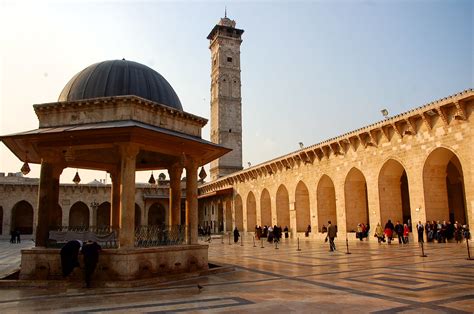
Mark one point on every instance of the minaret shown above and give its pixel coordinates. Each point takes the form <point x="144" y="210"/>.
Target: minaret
<point x="226" y="103"/>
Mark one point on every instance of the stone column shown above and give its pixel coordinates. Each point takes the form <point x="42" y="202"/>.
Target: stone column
<point x="127" y="196"/>
<point x="48" y="198"/>
<point x="115" y="200"/>
<point x="175" y="194"/>
<point x="191" y="203"/>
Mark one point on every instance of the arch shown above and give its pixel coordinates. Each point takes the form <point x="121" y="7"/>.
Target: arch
<point x="355" y="196"/>
<point x="57" y="219"/>
<point x="156" y="214"/>
<point x="138" y="215"/>
<point x="1" y="220"/>
<point x="394" y="197"/>
<point x="103" y="214"/>
<point x="79" y="215"/>
<point x="22" y="217"/>
<point x="251" y="212"/>
<point x="283" y="207"/>
<point x="326" y="196"/>
<point x="228" y="216"/>
<point x="265" y="208"/>
<point x="443" y="184"/>
<point x="239" y="213"/>
<point x="303" y="216"/>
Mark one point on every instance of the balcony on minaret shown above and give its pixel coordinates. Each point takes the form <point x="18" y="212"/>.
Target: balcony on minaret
<point x="225" y="27"/>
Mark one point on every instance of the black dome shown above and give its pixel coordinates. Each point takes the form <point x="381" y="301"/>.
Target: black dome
<point x="117" y="78"/>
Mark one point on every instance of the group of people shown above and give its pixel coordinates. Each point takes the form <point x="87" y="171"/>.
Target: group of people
<point x="15" y="236"/>
<point x="202" y="231"/>
<point x="401" y="231"/>
<point x="273" y="234"/>
<point x="70" y="258"/>
<point x="442" y="232"/>
<point x="362" y="231"/>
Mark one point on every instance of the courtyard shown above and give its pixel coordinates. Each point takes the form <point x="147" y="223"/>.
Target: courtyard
<point x="373" y="278"/>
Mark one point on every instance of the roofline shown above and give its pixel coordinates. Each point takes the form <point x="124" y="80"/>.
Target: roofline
<point x="421" y="110"/>
<point x="132" y="98"/>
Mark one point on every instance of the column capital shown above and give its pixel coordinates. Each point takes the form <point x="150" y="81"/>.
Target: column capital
<point x="57" y="166"/>
<point x="129" y="150"/>
<point x="175" y="170"/>
<point x="191" y="164"/>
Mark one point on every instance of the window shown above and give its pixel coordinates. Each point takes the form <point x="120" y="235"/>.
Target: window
<point x="230" y="130"/>
<point x="229" y="59"/>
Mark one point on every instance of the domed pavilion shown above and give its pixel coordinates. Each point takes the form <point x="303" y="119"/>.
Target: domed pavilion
<point x="119" y="116"/>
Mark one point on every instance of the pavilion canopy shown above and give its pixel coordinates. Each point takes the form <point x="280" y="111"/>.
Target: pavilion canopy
<point x="96" y="145"/>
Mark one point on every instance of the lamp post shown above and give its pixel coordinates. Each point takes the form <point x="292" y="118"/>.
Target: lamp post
<point x="94" y="205"/>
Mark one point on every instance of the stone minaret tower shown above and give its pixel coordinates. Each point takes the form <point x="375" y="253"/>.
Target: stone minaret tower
<point x="226" y="103"/>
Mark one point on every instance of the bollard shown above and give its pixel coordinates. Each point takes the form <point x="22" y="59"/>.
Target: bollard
<point x="262" y="243"/>
<point x="241" y="240"/>
<point x="229" y="239"/>
<point x="423" y="250"/>
<point x="254" y="242"/>
<point x="298" y="245"/>
<point x="222" y="239"/>
<point x="468" y="252"/>
<point x="276" y="245"/>
<point x="347" y="247"/>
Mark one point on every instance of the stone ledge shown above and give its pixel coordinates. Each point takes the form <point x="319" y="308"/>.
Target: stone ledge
<point x="68" y="283"/>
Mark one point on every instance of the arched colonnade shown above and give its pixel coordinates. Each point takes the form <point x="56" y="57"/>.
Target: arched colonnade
<point x="442" y="189"/>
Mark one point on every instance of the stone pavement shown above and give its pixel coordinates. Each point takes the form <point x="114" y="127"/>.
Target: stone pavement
<point x="374" y="278"/>
<point x="10" y="255"/>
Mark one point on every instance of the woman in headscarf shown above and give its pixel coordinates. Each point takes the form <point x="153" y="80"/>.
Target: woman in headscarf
<point x="379" y="233"/>
<point x="389" y="227"/>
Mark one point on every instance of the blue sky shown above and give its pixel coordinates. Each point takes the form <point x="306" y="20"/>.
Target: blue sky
<point x="311" y="70"/>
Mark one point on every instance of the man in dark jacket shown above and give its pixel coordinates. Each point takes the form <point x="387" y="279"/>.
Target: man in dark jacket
<point x="399" y="231"/>
<point x="69" y="256"/>
<point x="90" y="251"/>
<point x="332" y="233"/>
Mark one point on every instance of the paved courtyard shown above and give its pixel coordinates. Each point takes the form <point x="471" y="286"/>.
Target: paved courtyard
<point x="374" y="278"/>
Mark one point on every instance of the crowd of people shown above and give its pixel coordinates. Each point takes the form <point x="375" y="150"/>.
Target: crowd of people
<point x="443" y="232"/>
<point x="272" y="234"/>
<point x="435" y="231"/>
<point x="362" y="231"/>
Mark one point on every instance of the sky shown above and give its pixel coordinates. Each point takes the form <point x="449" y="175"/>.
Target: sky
<point x="311" y="70"/>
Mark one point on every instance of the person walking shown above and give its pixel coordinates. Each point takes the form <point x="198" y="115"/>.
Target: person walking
<point x="379" y="233"/>
<point x="399" y="232"/>
<point x="17" y="236"/>
<point x="420" y="230"/>
<point x="406" y="231"/>
<point x="236" y="235"/>
<point x="389" y="231"/>
<point x="332" y="233"/>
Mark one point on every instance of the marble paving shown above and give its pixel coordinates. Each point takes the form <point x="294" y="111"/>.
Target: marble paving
<point x="372" y="279"/>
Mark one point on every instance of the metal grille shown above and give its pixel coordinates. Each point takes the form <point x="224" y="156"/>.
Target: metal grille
<point x="159" y="235"/>
<point x="106" y="236"/>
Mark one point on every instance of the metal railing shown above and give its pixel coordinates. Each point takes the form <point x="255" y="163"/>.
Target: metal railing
<point x="159" y="235"/>
<point x="106" y="236"/>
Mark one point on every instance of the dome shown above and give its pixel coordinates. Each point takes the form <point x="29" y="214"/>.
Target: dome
<point x="118" y="78"/>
